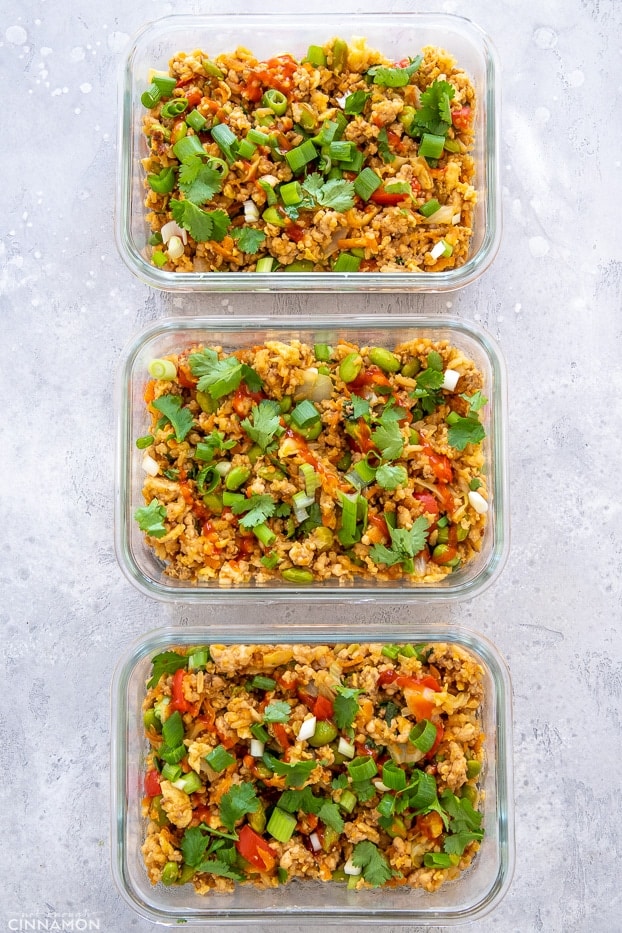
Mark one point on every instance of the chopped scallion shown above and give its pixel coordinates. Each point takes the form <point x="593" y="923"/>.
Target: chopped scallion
<point x="305" y="414"/>
<point x="164" y="84"/>
<point x="265" y="264"/>
<point x="362" y="768"/>
<point x="185" y="149"/>
<point x="431" y="146"/>
<point x="226" y="140"/>
<point x="316" y="56"/>
<point x="366" y="183"/>
<point x="276" y="101"/>
<point x="423" y="735"/>
<point x="281" y="825"/>
<point x="174" y="108"/>
<point x="259" y="682"/>
<point x="347" y="262"/>
<point x="219" y="758"/>
<point x="291" y="193"/>
<point x="246" y="149"/>
<point x="196" y="121"/>
<point x="162" y="369"/>
<point x="301" y="155"/>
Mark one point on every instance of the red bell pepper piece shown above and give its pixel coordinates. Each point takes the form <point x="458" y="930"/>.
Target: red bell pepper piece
<point x="152" y="783"/>
<point x="388" y="198"/>
<point x="255" y="849"/>
<point x="179" y="701"/>
<point x="323" y="709"/>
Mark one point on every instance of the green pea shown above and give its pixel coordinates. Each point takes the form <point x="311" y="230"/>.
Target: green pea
<point x="442" y="554"/>
<point x="386" y="360"/>
<point x="462" y="532"/>
<point x="411" y="368"/>
<point x="325" y="733"/>
<point x="469" y="792"/>
<point x="350" y="367"/>
<point x="296" y="575"/>
<point x="236" y="478"/>
<point x="170" y="873"/>
<point x="442" y="536"/>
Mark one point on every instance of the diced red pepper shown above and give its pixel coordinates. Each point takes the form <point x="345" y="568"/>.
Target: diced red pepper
<point x="185" y="377"/>
<point x="179" y="701"/>
<point x="428" y="502"/>
<point x="295" y="232"/>
<point x="388" y="198"/>
<point x="152" y="783"/>
<point x="243" y="400"/>
<point x="280" y="734"/>
<point x="372" y="376"/>
<point x="323" y="709"/>
<point x="461" y="117"/>
<point x="441" y="465"/>
<point x="194" y="97"/>
<point x="387" y="677"/>
<point x="255" y="849"/>
<point x="379" y="522"/>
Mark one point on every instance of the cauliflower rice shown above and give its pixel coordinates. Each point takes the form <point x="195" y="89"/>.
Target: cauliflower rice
<point x="344" y="161"/>
<point x="331" y="763"/>
<point x="309" y="463"/>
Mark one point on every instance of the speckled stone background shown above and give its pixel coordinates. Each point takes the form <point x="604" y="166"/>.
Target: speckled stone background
<point x="69" y="305"/>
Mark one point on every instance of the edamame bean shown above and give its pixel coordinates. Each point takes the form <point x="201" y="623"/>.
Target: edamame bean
<point x="296" y="575"/>
<point x="170" y="873"/>
<point x="350" y="367"/>
<point x="386" y="360"/>
<point x="236" y="478"/>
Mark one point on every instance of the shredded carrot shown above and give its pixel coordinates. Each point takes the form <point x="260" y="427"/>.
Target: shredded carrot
<point x="149" y="391"/>
<point x="358" y="242"/>
<point x="252" y="171"/>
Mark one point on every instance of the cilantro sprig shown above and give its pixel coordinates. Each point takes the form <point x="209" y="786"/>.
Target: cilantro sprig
<point x="263" y="424"/>
<point x="469" y="430"/>
<point x="434" y="115"/>
<point x="151" y="517"/>
<point x="258" y="509"/>
<point x="201" y="225"/>
<point x="198" y="181"/>
<point x="220" y="377"/>
<point x="248" y="239"/>
<point x="405" y="544"/>
<point x="336" y="194"/>
<point x="376" y="869"/>
<point x="236" y="803"/>
<point x="165" y="663"/>
<point x="394" y="77"/>
<point x="180" y="418"/>
<point x="345" y="706"/>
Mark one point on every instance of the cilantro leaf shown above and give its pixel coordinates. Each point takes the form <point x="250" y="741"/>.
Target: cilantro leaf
<point x="355" y="103"/>
<point x="456" y="843"/>
<point x="330" y="815"/>
<point x="180" y="418"/>
<point x="212" y="444"/>
<point x="405" y="543"/>
<point x="434" y="115"/>
<point x="305" y="800"/>
<point x="376" y="869"/>
<point x="193" y="846"/>
<point x="296" y="773"/>
<point x="388" y="438"/>
<point x="198" y="182"/>
<point x="345" y="706"/>
<point x="248" y="238"/>
<point x="165" y="663"/>
<point x="395" y="77"/>
<point x="313" y="184"/>
<point x="257" y="508"/>
<point x="337" y="194"/>
<point x="220" y="868"/>
<point x="251" y="378"/>
<point x="217" y="377"/>
<point x="430" y="379"/>
<point x="202" y="225"/>
<point x="390" y="477"/>
<point x="150" y="519"/>
<point x="476" y="401"/>
<point x="265" y="424"/>
<point x="340" y="782"/>
<point x="236" y="803"/>
<point x="465" y="431"/>
<point x="381" y="554"/>
<point x="360" y="407"/>
<point x="278" y="711"/>
<point x="364" y="790"/>
<point x="383" y="146"/>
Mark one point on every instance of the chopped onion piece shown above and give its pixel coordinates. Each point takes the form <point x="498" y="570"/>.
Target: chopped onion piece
<point x="345" y="748"/>
<point x="307" y="728"/>
<point x="150" y="466"/>
<point x="301" y="515"/>
<point x="173" y="229"/>
<point x="351" y="869"/>
<point x="271" y="180"/>
<point x="444" y="215"/>
<point x="175" y="248"/>
<point x="451" y="379"/>
<point x="456" y="218"/>
<point x="316" y="386"/>
<point x="341" y="101"/>
<point x="438" y="249"/>
<point x="478" y="502"/>
<point x="223" y="467"/>
<point x="314" y="839"/>
<point x="381" y="787"/>
<point x="257" y="748"/>
<point x="251" y="212"/>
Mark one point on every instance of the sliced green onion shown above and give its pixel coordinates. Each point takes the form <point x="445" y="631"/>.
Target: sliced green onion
<point x="366" y="183"/>
<point x="259" y="682"/>
<point x="198" y="659"/>
<point x="164" y="84"/>
<point x="348" y="534"/>
<point x="257" y="137"/>
<point x="452" y="145"/>
<point x="211" y="69"/>
<point x="265" y="264"/>
<point x="190" y="783"/>
<point x="386" y="806"/>
<point x="423" y="735"/>
<point x="355" y="164"/>
<point x="341" y="150"/>
<point x="246" y="149"/>
<point x="305" y="414"/>
<point x="431" y="146"/>
<point x="301" y="500"/>
<point x="145" y="441"/>
<point x="300" y="265"/>
<point x="473" y="767"/>
<point x="430" y="207"/>
<point x="162" y="369"/>
<point x="423" y="793"/>
<point x="226" y="140"/>
<point x="315" y="56"/>
<point x="398" y="187"/>
<point x="163" y="182"/>
<point x="232" y="498"/>
<point x="151" y="96"/>
<point x="174" y="108"/>
<point x="311" y="478"/>
<point x="393" y="777"/>
<point x="347" y="801"/>
<point x="219" y="758"/>
<point x="272" y="216"/>
<point x="188" y="147"/>
<point x="264" y="534"/>
<point x="300" y="156"/>
<point x="390" y="651"/>
<point x="259" y="732"/>
<point x="362" y="768"/>
<point x="347" y="262"/>
<point x="196" y="121"/>
<point x="340" y="55"/>
<point x="171" y="773"/>
<point x="291" y="193"/>
<point x="407" y="651"/>
<point x="365" y="471"/>
<point x="281" y="825"/>
<point x="276" y="101"/>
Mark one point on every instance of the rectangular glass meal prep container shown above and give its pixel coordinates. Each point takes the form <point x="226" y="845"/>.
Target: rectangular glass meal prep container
<point x="146" y="571"/>
<point x="477" y="891"/>
<point x="396" y="35"/>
